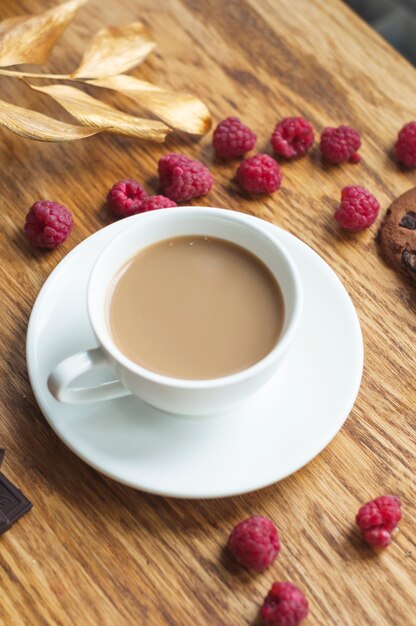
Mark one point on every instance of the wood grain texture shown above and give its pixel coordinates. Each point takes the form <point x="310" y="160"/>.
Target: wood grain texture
<point x="94" y="552"/>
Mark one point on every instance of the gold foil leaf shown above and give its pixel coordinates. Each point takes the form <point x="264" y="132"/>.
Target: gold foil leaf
<point x="114" y="50"/>
<point x="34" y="125"/>
<point x="9" y="23"/>
<point x="30" y="38"/>
<point x="97" y="114"/>
<point x="179" y="110"/>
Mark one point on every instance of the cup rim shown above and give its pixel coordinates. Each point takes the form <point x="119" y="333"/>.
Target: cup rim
<point x="284" y="340"/>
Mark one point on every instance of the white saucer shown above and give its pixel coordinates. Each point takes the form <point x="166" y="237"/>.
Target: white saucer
<point x="271" y="436"/>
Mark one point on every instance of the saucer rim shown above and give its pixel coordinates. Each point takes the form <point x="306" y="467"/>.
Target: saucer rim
<point x="209" y="494"/>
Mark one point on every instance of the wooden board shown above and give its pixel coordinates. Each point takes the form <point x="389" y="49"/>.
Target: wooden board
<point x="94" y="552"/>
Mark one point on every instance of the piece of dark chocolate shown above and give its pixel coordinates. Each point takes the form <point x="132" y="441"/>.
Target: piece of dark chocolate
<point x="4" y="523"/>
<point x="13" y="504"/>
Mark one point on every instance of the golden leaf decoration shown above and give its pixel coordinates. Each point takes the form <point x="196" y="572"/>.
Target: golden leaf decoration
<point x="33" y="125"/>
<point x="97" y="114"/>
<point x="112" y="51"/>
<point x="179" y="110"/>
<point x="30" y="39"/>
<point x="115" y="50"/>
<point x="9" y="23"/>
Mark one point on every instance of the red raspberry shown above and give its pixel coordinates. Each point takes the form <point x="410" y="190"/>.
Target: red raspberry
<point x="254" y="543"/>
<point x="126" y="197"/>
<point x="340" y="144"/>
<point x="378" y="537"/>
<point x="232" y="139"/>
<point x="292" y="137"/>
<point x="405" y="146"/>
<point x="259" y="174"/>
<point x="285" y="605"/>
<point x="378" y="518"/>
<point x="182" y="178"/>
<point x="358" y="208"/>
<point x="156" y="202"/>
<point x="48" y="224"/>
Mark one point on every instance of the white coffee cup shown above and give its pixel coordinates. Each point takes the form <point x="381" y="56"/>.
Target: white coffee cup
<point x="187" y="397"/>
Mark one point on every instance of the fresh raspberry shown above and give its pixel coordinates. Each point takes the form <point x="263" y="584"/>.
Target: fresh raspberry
<point x="378" y="537"/>
<point x="259" y="174"/>
<point x="405" y="146"/>
<point x="378" y="518"/>
<point x="126" y="197"/>
<point x="182" y="178"/>
<point x="48" y="224"/>
<point x="358" y="208"/>
<point x="292" y="137"/>
<point x="232" y="139"/>
<point x="156" y="202"/>
<point x="285" y="605"/>
<point x="340" y="144"/>
<point x="254" y="543"/>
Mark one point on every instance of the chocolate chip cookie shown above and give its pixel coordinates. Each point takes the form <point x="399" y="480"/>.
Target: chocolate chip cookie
<point x="397" y="234"/>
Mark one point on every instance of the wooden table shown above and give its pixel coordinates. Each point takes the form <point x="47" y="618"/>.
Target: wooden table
<point x="93" y="552"/>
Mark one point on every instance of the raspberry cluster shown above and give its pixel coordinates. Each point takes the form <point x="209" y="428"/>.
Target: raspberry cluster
<point x="292" y="137"/>
<point x="156" y="202"/>
<point x="358" y="208"/>
<point x="183" y="178"/>
<point x="48" y="224"/>
<point x="232" y="138"/>
<point x="340" y="144"/>
<point x="284" y="605"/>
<point x="254" y="543"/>
<point x="128" y="197"/>
<point x="259" y="174"/>
<point x="405" y="146"/>
<point x="378" y="518"/>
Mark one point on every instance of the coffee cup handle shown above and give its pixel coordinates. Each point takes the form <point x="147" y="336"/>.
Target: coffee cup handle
<point x="60" y="379"/>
